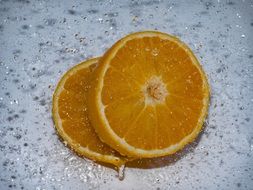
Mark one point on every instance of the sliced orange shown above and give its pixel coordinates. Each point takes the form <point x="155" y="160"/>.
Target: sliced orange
<point x="149" y="95"/>
<point x="71" y="118"/>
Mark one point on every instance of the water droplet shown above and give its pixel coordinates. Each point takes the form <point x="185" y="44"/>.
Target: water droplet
<point x="100" y="20"/>
<point x="169" y="9"/>
<point x="147" y="49"/>
<point x="71" y="50"/>
<point x="83" y="177"/>
<point x="91" y="175"/>
<point x="155" y="52"/>
<point x="65" y="143"/>
<point x="48" y="43"/>
<point x="134" y="19"/>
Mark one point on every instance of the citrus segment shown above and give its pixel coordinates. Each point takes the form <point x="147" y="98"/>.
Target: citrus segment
<point x="120" y="116"/>
<point x="70" y="116"/>
<point x="149" y="95"/>
<point x="136" y="134"/>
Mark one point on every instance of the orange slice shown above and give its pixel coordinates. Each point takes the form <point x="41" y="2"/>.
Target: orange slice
<point x="71" y="118"/>
<point x="149" y="95"/>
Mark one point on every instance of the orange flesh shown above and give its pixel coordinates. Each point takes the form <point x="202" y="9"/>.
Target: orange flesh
<point x="74" y="114"/>
<point x="161" y="124"/>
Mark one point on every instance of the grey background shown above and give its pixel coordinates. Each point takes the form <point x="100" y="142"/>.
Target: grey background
<point x="40" y="40"/>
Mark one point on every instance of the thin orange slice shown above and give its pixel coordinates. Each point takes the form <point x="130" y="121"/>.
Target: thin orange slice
<point x="149" y="95"/>
<point x="71" y="118"/>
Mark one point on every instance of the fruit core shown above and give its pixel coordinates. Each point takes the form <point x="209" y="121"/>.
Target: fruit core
<point x="155" y="91"/>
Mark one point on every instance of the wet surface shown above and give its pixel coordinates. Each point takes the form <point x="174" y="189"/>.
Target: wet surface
<point x="40" y="40"/>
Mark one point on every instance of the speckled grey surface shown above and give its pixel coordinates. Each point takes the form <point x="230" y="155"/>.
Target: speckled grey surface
<point x="40" y="40"/>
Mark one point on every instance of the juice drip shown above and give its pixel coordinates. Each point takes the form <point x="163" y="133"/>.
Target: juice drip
<point x="121" y="172"/>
